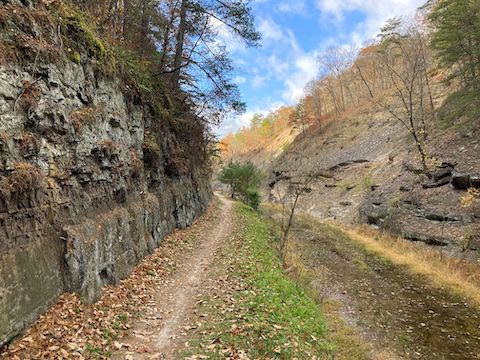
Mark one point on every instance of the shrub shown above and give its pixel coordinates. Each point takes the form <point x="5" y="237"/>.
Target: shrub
<point x="29" y="97"/>
<point x="150" y="144"/>
<point x="243" y="180"/>
<point x="136" y="70"/>
<point x="83" y="116"/>
<point x="76" y="28"/>
<point x="252" y="198"/>
<point x="74" y="56"/>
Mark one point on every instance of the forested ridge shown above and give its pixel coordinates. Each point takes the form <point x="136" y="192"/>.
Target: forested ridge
<point x="408" y="70"/>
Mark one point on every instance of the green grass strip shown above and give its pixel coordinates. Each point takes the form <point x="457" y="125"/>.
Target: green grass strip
<point x="272" y="317"/>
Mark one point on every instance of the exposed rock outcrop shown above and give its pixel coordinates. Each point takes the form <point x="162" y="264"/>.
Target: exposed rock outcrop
<point x="465" y="181"/>
<point x="376" y="177"/>
<point x="92" y="175"/>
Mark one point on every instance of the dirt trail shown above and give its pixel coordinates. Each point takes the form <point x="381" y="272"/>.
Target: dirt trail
<point x="387" y="305"/>
<point x="158" y="333"/>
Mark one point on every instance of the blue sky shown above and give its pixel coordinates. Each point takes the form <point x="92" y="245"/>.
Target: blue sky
<point x="294" y="33"/>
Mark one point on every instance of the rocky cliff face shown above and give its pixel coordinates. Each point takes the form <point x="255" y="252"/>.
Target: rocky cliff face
<point x="90" y="172"/>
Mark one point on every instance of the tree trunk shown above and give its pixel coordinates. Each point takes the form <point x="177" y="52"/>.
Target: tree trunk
<point x="177" y="61"/>
<point x="127" y="20"/>
<point x="144" y="27"/>
<point x="166" y="40"/>
<point x="286" y="228"/>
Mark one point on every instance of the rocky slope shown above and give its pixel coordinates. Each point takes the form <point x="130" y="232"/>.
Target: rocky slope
<point x="93" y="175"/>
<point x="367" y="170"/>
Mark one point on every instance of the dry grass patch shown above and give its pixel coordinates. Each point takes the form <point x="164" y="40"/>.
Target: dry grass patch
<point x="24" y="178"/>
<point x="460" y="276"/>
<point x="83" y="116"/>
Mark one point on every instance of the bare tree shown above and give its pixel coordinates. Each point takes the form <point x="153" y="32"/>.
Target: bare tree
<point x="314" y="100"/>
<point x="289" y="186"/>
<point x="335" y="62"/>
<point x="404" y="63"/>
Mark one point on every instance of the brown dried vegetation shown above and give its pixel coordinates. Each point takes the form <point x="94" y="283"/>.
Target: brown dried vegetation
<point x="20" y="41"/>
<point x="27" y="142"/>
<point x="24" y="178"/>
<point x="83" y="116"/>
<point x="137" y="164"/>
<point x="29" y="96"/>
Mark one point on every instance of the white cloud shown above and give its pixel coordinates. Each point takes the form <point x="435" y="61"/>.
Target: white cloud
<point x="225" y="37"/>
<point x="237" y="122"/>
<point x="258" y="81"/>
<point x="305" y="69"/>
<point x="239" y="80"/>
<point x="293" y="7"/>
<point x="376" y="13"/>
<point x="270" y="30"/>
<point x="278" y="66"/>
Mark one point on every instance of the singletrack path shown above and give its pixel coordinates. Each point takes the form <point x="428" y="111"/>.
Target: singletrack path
<point x="158" y="332"/>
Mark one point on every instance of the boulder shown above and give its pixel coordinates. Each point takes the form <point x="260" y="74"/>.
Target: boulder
<point x="427" y="239"/>
<point x="441" y="218"/>
<point x="374" y="212"/>
<point x="440" y="177"/>
<point x="445" y="172"/>
<point x="437" y="183"/>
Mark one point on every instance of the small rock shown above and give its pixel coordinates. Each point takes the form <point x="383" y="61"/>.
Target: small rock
<point x="475" y="181"/>
<point x="437" y="183"/>
<point x="461" y="181"/>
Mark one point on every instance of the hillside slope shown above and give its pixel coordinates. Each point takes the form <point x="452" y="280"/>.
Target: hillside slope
<point x="367" y="171"/>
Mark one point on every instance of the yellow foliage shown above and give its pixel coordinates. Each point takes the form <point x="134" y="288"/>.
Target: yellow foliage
<point x="470" y="197"/>
<point x="260" y="135"/>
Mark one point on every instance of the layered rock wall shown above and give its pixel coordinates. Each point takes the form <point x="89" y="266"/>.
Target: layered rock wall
<point x="86" y="181"/>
